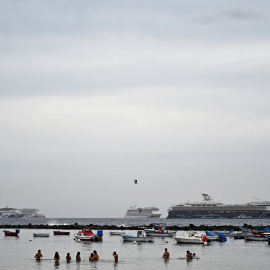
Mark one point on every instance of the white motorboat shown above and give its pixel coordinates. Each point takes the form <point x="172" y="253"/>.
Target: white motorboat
<point x="85" y="234"/>
<point x="191" y="238"/>
<point x="138" y="238"/>
<point x="41" y="234"/>
<point x="116" y="232"/>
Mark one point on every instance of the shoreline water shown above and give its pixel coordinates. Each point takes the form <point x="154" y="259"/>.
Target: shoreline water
<point x="132" y="256"/>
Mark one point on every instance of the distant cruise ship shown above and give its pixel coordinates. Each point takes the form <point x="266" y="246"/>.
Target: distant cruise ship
<point x="31" y="213"/>
<point x="139" y="212"/>
<point x="208" y="208"/>
<point x="9" y="212"/>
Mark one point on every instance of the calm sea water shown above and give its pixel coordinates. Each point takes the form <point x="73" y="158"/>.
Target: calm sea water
<point x="18" y="253"/>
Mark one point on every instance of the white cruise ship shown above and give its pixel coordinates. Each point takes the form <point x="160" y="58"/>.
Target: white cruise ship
<point x="31" y="213"/>
<point x="140" y="212"/>
<point x="9" y="212"/>
<point x="210" y="209"/>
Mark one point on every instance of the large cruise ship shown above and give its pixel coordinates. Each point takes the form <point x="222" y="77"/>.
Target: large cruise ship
<point x="139" y="212"/>
<point x="9" y="212"/>
<point x="210" y="209"/>
<point x="31" y="213"/>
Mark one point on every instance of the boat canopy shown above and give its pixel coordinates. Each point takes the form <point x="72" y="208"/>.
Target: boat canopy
<point x="87" y="232"/>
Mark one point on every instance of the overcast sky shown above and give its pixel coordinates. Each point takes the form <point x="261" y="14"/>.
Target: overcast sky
<point x="94" y="94"/>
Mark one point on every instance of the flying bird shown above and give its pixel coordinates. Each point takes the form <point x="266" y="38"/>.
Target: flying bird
<point x="135" y="181"/>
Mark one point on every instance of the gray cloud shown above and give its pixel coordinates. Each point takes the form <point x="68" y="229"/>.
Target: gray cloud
<point x="242" y="13"/>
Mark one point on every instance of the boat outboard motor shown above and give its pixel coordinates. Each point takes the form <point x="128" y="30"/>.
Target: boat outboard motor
<point x="222" y="237"/>
<point x="100" y="235"/>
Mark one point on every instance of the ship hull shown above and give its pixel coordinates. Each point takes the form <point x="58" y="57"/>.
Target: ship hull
<point x="141" y="216"/>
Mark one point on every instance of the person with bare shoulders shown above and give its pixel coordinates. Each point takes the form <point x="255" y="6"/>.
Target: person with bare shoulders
<point x="56" y="258"/>
<point x="115" y="257"/>
<point x="68" y="257"/>
<point x="166" y="254"/>
<point x="95" y="256"/>
<point x="38" y="255"/>
<point x="189" y="255"/>
<point x="91" y="257"/>
<point x="78" y="257"/>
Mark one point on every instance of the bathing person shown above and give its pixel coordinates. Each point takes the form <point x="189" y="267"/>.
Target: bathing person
<point x="38" y="255"/>
<point x="68" y="257"/>
<point x="96" y="257"/>
<point x="78" y="257"/>
<point x="91" y="257"/>
<point x="166" y="254"/>
<point x="56" y="258"/>
<point x="115" y="257"/>
<point x="189" y="255"/>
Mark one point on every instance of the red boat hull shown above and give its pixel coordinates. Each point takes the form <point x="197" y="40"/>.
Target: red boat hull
<point x="11" y="234"/>
<point x="61" y="233"/>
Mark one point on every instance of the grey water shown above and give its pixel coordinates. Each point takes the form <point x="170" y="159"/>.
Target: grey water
<point x="19" y="252"/>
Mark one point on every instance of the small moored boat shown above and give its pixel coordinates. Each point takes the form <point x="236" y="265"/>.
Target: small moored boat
<point x="86" y="234"/>
<point x="256" y="238"/>
<point x="191" y="238"/>
<point x="236" y="237"/>
<point x="60" y="233"/>
<point x="159" y="230"/>
<point x="116" y="232"/>
<point x="9" y="233"/>
<point x="41" y="234"/>
<point x="138" y="238"/>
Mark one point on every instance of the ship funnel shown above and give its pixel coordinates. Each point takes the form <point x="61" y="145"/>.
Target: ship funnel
<point x="206" y="197"/>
